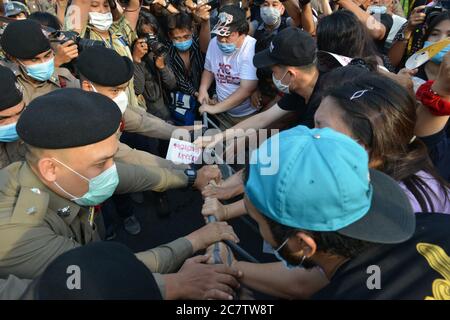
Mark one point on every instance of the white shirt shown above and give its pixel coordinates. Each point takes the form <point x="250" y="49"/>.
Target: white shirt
<point x="228" y="71"/>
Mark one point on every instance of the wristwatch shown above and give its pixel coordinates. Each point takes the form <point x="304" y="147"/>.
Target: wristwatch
<point x="192" y="176"/>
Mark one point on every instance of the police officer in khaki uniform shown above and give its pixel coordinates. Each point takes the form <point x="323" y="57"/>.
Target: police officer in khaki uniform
<point x="11" y="105"/>
<point x="104" y="71"/>
<point x="24" y="39"/>
<point x="47" y="204"/>
<point x="31" y="58"/>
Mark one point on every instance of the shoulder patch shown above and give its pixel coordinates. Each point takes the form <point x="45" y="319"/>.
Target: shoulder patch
<point x="31" y="206"/>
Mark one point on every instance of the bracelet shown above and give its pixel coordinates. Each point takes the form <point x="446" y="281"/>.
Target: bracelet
<point x="433" y="101"/>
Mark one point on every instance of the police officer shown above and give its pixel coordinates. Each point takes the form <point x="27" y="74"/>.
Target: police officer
<point x="31" y="58"/>
<point x="11" y="106"/>
<point x="47" y="204"/>
<point x="104" y="71"/>
<point x="141" y="178"/>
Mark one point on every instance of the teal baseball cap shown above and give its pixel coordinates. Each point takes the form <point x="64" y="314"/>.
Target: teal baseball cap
<point x="322" y="183"/>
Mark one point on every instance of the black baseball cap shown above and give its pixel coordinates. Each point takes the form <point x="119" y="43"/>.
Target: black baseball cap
<point x="291" y="47"/>
<point x="231" y="18"/>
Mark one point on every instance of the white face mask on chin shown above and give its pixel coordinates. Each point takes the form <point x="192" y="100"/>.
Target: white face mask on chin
<point x="101" y="21"/>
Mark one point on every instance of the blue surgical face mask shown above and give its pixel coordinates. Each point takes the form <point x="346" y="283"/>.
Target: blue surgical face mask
<point x="183" y="46"/>
<point x="377" y="9"/>
<point x="440" y="56"/>
<point x="101" y="187"/>
<point x="41" y="71"/>
<point x="8" y="133"/>
<point x="277" y="254"/>
<point x="227" y="48"/>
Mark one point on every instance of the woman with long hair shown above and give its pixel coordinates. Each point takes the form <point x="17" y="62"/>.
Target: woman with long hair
<point x="381" y="116"/>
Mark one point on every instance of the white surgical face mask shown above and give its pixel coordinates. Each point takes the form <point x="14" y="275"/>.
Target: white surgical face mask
<point x="122" y="101"/>
<point x="270" y="15"/>
<point x="101" y="21"/>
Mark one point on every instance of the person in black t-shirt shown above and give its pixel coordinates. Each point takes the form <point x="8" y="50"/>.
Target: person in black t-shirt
<point x="417" y="269"/>
<point x="292" y="57"/>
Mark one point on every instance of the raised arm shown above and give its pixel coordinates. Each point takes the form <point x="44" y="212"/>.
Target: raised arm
<point x="132" y="13"/>
<point x="430" y="119"/>
<point x="307" y="20"/>
<point x="376" y="29"/>
<point x="77" y="15"/>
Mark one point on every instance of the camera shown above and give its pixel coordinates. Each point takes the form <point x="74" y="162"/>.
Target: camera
<point x="159" y="49"/>
<point x="64" y="36"/>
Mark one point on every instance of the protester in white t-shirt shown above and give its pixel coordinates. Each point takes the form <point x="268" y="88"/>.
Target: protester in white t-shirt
<point x="229" y="61"/>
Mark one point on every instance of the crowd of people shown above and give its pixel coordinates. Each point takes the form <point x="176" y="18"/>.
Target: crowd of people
<point x="357" y="207"/>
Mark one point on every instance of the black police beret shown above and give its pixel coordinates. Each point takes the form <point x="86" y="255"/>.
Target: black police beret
<point x="105" y="66"/>
<point x="23" y="39"/>
<point x="10" y="95"/>
<point x="106" y="270"/>
<point x="68" y="118"/>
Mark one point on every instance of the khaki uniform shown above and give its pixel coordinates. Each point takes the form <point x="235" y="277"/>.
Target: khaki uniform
<point x="37" y="225"/>
<point x="137" y="120"/>
<point x="170" y="175"/>
<point x="13" y="288"/>
<point x="11" y="152"/>
<point x="61" y="78"/>
<point x="136" y="176"/>
<point x="42" y="6"/>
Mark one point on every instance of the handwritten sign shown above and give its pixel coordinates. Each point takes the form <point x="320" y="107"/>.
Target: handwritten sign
<point x="182" y="152"/>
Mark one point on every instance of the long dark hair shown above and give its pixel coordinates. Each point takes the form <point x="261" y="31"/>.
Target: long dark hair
<point x="342" y="33"/>
<point x="382" y="116"/>
<point x="146" y="18"/>
<point x="434" y="21"/>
